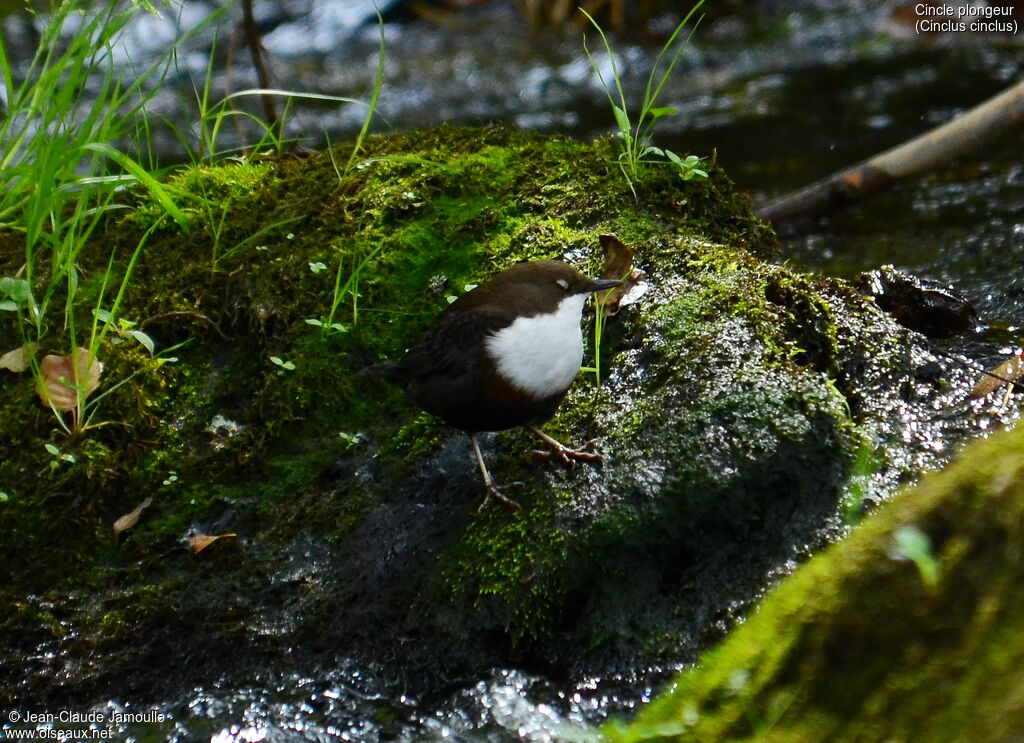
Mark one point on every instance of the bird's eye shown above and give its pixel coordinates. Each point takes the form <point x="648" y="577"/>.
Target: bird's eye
<point x="563" y="283"/>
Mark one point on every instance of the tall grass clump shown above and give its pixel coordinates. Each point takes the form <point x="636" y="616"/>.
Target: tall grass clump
<point x="214" y="117"/>
<point x="347" y="275"/>
<point x="636" y="128"/>
<point x="74" y="137"/>
<point x="62" y="166"/>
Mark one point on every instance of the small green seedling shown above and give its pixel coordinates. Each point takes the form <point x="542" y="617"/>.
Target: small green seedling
<point x="124" y="329"/>
<point x="58" y="456"/>
<point x="334" y="327"/>
<point x="285" y="365"/>
<point x="914" y="545"/>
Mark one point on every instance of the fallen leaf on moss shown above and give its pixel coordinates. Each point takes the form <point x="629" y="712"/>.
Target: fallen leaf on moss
<point x="1008" y="372"/>
<point x="131" y="519"/>
<point x="201" y="541"/>
<point x="618" y="264"/>
<point x="16" y="360"/>
<point x="59" y="378"/>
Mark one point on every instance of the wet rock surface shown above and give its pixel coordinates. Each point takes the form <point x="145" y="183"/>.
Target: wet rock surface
<point x="927" y="306"/>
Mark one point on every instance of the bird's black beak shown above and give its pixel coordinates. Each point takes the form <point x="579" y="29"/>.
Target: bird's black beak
<point x="597" y="285"/>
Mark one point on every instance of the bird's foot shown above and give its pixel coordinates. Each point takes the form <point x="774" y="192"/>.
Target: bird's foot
<point x="567" y="456"/>
<point x="493" y="491"/>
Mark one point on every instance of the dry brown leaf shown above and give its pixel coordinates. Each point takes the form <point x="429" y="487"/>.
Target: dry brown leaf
<point x="618" y="264"/>
<point x="618" y="259"/>
<point x="131" y="519"/>
<point x="201" y="541"/>
<point x="16" y="360"/>
<point x="1009" y="371"/>
<point x="58" y="375"/>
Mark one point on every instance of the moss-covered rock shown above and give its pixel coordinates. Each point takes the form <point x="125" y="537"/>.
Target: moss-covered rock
<point x="908" y="630"/>
<point x="736" y="395"/>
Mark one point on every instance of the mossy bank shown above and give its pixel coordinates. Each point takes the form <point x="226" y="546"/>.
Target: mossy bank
<point x="874" y="640"/>
<point x="736" y="395"/>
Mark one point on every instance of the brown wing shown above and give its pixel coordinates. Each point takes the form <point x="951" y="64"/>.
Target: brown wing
<point x="454" y="344"/>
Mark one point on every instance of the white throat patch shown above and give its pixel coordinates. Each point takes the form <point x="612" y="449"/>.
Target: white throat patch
<point x="541" y="355"/>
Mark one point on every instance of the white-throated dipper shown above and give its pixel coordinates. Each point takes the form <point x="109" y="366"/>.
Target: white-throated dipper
<point x="502" y="355"/>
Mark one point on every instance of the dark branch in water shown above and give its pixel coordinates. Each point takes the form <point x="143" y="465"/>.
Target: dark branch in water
<point x="980" y="125"/>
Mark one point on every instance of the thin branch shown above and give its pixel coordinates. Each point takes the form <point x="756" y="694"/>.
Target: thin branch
<point x="981" y="125"/>
<point x="252" y="36"/>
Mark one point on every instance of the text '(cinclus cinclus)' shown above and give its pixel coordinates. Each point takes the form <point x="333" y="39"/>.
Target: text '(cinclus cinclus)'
<point x="502" y="355"/>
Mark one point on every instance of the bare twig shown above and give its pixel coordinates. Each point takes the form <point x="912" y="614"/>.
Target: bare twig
<point x="186" y="314"/>
<point x="252" y="36"/>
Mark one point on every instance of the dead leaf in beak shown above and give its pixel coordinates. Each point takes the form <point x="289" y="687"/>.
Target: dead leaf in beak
<point x="618" y="264"/>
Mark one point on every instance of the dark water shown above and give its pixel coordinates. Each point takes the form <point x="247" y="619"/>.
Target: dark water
<point x="783" y="96"/>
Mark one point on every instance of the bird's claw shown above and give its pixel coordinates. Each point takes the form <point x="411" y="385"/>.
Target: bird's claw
<point x="568" y="456"/>
<point x="493" y="491"/>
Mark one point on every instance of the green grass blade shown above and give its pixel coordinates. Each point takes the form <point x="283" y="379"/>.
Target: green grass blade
<point x="257" y="235"/>
<point x="378" y="82"/>
<point x="353" y="279"/>
<point x="148" y="182"/>
<point x="5" y="73"/>
<point x="611" y="58"/>
<point x="651" y="96"/>
<point x="248" y="92"/>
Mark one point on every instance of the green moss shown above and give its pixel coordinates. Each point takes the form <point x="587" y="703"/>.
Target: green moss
<point x="508" y="566"/>
<point x="808" y="322"/>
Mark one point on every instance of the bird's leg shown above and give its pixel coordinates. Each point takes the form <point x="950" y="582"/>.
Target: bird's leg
<point x="493" y="491"/>
<point x="563" y="453"/>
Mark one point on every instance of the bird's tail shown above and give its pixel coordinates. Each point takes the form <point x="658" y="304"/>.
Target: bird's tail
<point x="387" y="370"/>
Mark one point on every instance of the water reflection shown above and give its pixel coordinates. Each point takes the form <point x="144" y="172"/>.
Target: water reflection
<point x="507" y="705"/>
